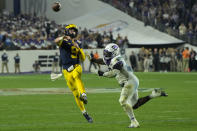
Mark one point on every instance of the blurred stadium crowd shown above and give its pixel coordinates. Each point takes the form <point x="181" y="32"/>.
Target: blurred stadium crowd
<point x="28" y="31"/>
<point x="164" y="60"/>
<point x="146" y="60"/>
<point x="175" y="17"/>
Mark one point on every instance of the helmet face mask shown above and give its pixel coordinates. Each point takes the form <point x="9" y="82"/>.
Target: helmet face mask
<point x="71" y="30"/>
<point x="107" y="54"/>
<point x="111" y="51"/>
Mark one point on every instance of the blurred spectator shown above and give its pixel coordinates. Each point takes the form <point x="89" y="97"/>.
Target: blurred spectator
<point x="99" y="40"/>
<point x="111" y="37"/>
<point x="3" y="40"/>
<point x="133" y="61"/>
<point x="167" y="60"/>
<point x="92" y="63"/>
<point x="4" y="59"/>
<point x="125" y="42"/>
<point x="96" y="56"/>
<point x="173" y="63"/>
<point x="17" y="63"/>
<point x="182" y="31"/>
<point x="179" y="60"/>
<point x="190" y="33"/>
<point x="93" y="43"/>
<point x="141" y="55"/>
<point x="193" y="61"/>
<point x="119" y="41"/>
<point x="186" y="55"/>
<point x="55" y="63"/>
<point x="146" y="61"/>
<point x="36" y="66"/>
<point x="156" y="60"/>
<point x="162" y="57"/>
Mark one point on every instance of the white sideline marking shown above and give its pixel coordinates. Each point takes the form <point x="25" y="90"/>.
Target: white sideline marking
<point x="35" y="91"/>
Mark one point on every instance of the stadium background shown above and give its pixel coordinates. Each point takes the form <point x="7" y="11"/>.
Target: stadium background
<point x="31" y="101"/>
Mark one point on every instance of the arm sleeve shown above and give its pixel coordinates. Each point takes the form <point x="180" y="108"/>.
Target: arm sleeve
<point x="109" y="74"/>
<point x="82" y="55"/>
<point x="60" y="42"/>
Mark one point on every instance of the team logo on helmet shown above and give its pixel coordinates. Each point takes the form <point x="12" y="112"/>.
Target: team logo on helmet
<point x="71" y="30"/>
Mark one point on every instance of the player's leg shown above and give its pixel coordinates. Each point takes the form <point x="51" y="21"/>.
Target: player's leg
<point x="155" y="93"/>
<point x="72" y="86"/>
<point x="19" y="70"/>
<point x="53" y="68"/>
<point x="134" y="98"/>
<point x="79" y="84"/>
<point x="80" y="103"/>
<point x="7" y="67"/>
<point x="126" y="94"/>
<point x="2" y="68"/>
<point x="15" y="67"/>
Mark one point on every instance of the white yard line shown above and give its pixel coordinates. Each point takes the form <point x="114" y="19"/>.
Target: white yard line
<point x="35" y="91"/>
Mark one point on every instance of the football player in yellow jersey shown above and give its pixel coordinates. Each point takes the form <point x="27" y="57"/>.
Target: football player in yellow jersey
<point x="71" y="54"/>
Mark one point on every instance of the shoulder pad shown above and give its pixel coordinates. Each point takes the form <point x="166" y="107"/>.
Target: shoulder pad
<point x="118" y="65"/>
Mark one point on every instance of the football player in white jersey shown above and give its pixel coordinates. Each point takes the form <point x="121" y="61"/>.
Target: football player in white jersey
<point x="128" y="81"/>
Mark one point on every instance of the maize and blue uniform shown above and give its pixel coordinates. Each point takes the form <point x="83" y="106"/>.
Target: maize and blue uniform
<point x="71" y="57"/>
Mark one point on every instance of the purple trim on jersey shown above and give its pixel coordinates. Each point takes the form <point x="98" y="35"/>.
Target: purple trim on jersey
<point x="118" y="65"/>
<point x="107" y="61"/>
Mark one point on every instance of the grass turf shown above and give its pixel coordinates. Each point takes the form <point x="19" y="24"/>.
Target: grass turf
<point x="178" y="112"/>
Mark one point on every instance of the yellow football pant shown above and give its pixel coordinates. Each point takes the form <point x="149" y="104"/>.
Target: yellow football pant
<point x="75" y="84"/>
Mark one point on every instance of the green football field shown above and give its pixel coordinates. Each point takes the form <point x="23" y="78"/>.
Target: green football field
<point x="35" y="103"/>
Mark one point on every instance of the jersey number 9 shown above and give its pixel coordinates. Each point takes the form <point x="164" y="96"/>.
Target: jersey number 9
<point x="74" y="52"/>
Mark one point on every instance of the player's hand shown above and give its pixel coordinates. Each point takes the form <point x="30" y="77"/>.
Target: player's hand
<point x="88" y="56"/>
<point x="66" y="37"/>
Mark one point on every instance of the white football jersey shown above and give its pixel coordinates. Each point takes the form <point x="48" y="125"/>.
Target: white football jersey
<point x="122" y="76"/>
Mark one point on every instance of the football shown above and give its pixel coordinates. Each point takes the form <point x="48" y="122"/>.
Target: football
<point x="56" y="6"/>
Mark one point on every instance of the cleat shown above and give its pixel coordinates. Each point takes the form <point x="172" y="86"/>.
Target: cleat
<point x="134" y="124"/>
<point x="83" y="98"/>
<point x="157" y="93"/>
<point x="88" y="118"/>
<point x="164" y="94"/>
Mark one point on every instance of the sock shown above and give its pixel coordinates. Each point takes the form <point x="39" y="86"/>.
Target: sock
<point x="83" y="112"/>
<point x="141" y="101"/>
<point x="83" y="94"/>
<point x="129" y="110"/>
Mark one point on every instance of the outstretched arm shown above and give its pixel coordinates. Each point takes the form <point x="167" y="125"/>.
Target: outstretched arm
<point x="82" y="55"/>
<point x="108" y="74"/>
<point x="59" y="40"/>
<point x="98" y="61"/>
